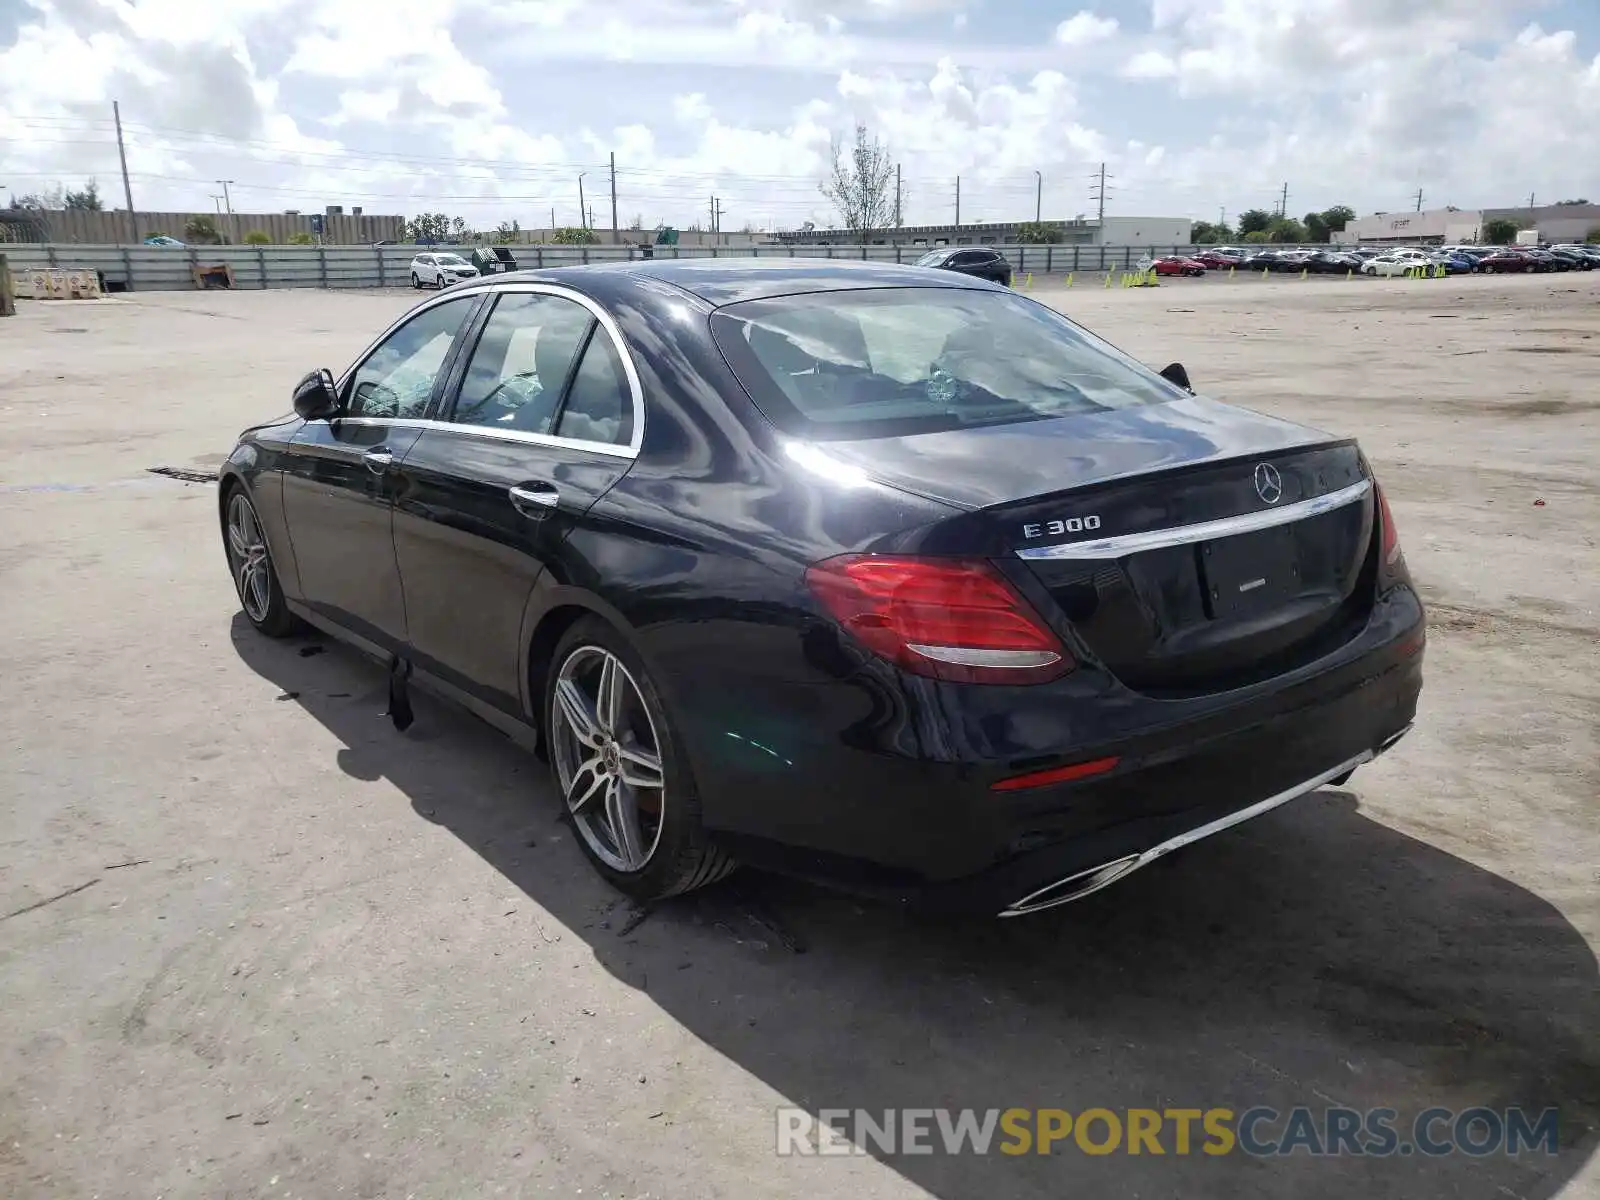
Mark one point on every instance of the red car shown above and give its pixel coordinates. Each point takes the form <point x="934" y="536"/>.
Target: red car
<point x="1178" y="266"/>
<point x="1506" y="260"/>
<point x="1214" y="261"/>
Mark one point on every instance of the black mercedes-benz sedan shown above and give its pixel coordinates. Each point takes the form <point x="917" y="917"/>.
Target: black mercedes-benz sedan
<point x="877" y="575"/>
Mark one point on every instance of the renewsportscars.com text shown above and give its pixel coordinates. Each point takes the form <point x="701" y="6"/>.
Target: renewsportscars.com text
<point x="1258" y="1131"/>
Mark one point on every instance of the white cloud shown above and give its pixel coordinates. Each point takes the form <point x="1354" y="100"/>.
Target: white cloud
<point x="1085" y="27"/>
<point x="1150" y="64"/>
<point x="442" y="101"/>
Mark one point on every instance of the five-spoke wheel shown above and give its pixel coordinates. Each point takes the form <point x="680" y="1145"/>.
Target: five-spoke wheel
<point x="250" y="564"/>
<point x="608" y="758"/>
<point x="627" y="790"/>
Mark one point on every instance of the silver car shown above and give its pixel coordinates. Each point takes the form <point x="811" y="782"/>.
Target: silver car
<point x="440" y="269"/>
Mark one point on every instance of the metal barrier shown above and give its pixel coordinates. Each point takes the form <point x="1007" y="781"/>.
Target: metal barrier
<point x="172" y="268"/>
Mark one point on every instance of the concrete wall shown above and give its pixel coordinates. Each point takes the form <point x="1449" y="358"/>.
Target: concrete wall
<point x="156" y="268"/>
<point x="1555" y="223"/>
<point x="1145" y="231"/>
<point x="101" y="228"/>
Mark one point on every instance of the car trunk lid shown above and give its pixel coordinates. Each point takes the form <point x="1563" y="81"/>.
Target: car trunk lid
<point x="1192" y="547"/>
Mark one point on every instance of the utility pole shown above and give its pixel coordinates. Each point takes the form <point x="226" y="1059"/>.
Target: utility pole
<point x="1283" y="205"/>
<point x="1419" y="199"/>
<point x="1038" y="197"/>
<point x="552" y="220"/>
<point x="1222" y="217"/>
<point x="233" y="232"/>
<point x="583" y="213"/>
<point x="1530" y="200"/>
<point x="711" y="207"/>
<point x="1099" y="192"/>
<point x="897" y="195"/>
<point x="716" y="219"/>
<point x="127" y="190"/>
<point x="615" y="236"/>
<point x="958" y="202"/>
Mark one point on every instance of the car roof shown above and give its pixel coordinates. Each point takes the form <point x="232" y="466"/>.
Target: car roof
<point x="720" y="281"/>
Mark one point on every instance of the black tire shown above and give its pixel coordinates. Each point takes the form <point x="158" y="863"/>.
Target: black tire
<point x="416" y="282"/>
<point x="275" y="621"/>
<point x="684" y="858"/>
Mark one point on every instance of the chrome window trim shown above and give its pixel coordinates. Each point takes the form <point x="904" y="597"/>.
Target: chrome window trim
<point x="496" y="287"/>
<point x="499" y="435"/>
<point x="1181" y="535"/>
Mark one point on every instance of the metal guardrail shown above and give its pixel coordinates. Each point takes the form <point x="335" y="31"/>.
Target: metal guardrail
<point x="171" y="268"/>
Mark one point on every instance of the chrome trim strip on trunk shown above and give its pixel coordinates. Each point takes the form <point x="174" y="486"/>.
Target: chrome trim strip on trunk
<point x="1108" y="873"/>
<point x="1156" y="539"/>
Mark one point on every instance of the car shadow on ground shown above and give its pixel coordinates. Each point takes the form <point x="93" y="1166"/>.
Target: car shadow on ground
<point x="1314" y="957"/>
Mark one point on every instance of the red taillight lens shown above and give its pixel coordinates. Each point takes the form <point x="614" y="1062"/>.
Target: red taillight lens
<point x="947" y="618"/>
<point x="1391" y="535"/>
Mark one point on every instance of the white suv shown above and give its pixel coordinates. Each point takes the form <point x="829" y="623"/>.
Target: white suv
<point x="440" y="270"/>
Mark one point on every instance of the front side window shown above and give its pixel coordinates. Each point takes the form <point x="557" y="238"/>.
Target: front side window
<point x="397" y="378"/>
<point x="931" y="259"/>
<point x="521" y="363"/>
<point x="900" y="361"/>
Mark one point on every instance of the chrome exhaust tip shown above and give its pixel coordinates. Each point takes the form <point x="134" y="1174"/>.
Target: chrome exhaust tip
<point x="1081" y="884"/>
<point x="1073" y="887"/>
<point x="1395" y="737"/>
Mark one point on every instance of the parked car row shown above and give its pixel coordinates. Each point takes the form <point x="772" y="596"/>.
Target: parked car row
<point x="1381" y="261"/>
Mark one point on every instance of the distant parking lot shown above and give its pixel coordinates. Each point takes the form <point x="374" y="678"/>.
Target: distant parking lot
<point x="256" y="942"/>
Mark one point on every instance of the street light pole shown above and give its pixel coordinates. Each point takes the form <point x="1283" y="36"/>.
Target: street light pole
<point x="1038" y="198"/>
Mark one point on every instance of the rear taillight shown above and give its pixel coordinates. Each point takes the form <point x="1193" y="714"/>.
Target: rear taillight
<point x="1391" y="535"/>
<point x="950" y="619"/>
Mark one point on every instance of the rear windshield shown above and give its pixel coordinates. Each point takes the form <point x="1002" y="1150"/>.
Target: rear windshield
<point x="898" y="361"/>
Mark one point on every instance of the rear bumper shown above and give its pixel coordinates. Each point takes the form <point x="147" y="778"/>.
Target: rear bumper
<point x="936" y="835"/>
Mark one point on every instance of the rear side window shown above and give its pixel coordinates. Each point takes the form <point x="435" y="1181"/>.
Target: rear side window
<point x="599" y="407"/>
<point x="521" y="362"/>
<point x="899" y="361"/>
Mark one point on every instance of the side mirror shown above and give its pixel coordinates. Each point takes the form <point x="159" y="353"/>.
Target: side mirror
<point x="1174" y="373"/>
<point x="314" y="396"/>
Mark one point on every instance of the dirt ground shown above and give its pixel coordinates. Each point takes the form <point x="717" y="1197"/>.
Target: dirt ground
<point x="254" y="942"/>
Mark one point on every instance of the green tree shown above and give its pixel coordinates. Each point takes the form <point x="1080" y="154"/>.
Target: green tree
<point x="1040" y="233"/>
<point x="637" y="223"/>
<point x="1256" y="237"/>
<point x="1337" y="217"/>
<point x="202" y="229"/>
<point x="859" y="184"/>
<point x="508" y="231"/>
<point x="1593" y="236"/>
<point x="1316" y="226"/>
<point x="1207" y="233"/>
<point x="1569" y="203"/>
<point x="302" y="238"/>
<point x="1499" y="232"/>
<point x="257" y="237"/>
<point x="1286" y="229"/>
<point x="572" y="236"/>
<point x="1255" y="220"/>
<point x="427" y="227"/>
<point x="87" y="200"/>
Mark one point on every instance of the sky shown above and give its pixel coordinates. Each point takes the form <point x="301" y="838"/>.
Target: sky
<point x="492" y="109"/>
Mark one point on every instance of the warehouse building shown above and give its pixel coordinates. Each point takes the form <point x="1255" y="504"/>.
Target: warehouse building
<point x="1555" y="222"/>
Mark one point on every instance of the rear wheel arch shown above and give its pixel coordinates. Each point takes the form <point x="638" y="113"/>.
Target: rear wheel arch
<point x="558" y="610"/>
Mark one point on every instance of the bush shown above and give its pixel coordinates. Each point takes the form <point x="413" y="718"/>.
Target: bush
<point x="302" y="239"/>
<point x="257" y="238"/>
<point x="574" y="237"/>
<point x="1593" y="236"/>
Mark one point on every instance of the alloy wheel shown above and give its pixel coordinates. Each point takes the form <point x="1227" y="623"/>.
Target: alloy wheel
<point x="608" y="758"/>
<point x="247" y="556"/>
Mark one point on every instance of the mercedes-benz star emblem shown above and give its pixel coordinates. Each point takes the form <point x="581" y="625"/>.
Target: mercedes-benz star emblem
<point x="1269" y="484"/>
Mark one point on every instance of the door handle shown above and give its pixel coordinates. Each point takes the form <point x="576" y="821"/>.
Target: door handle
<point x="534" y="501"/>
<point x="378" y="461"/>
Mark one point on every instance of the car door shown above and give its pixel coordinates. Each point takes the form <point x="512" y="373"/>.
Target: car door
<point x="339" y="480"/>
<point x="546" y="416"/>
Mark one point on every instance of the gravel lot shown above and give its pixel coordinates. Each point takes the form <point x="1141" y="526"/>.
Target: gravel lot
<point x="253" y="942"/>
